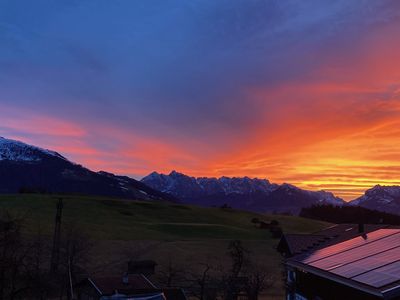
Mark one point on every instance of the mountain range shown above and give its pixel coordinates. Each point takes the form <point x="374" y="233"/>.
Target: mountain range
<point x="261" y="195"/>
<point x="383" y="198"/>
<point x="27" y="168"/>
<point x="239" y="192"/>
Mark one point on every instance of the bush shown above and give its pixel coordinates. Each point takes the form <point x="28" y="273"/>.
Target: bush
<point x="274" y="223"/>
<point x="225" y="206"/>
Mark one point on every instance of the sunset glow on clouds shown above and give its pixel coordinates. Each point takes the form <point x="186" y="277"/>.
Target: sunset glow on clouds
<point x="300" y="92"/>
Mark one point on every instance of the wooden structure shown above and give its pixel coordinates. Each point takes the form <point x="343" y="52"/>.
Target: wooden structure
<point x="294" y="244"/>
<point x="132" y="286"/>
<point x="145" y="267"/>
<point x="361" y="267"/>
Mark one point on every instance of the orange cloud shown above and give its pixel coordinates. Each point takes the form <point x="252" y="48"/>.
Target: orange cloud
<point x="337" y="129"/>
<point x="21" y="120"/>
<point x="122" y="151"/>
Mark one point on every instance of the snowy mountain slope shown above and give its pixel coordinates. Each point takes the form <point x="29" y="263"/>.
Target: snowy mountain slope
<point x="17" y="151"/>
<point x="27" y="168"/>
<point x="384" y="198"/>
<point x="244" y="192"/>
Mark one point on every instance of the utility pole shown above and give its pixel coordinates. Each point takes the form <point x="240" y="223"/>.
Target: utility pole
<point x="55" y="254"/>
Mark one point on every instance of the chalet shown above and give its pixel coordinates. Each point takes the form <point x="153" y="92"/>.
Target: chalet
<point x="360" y="262"/>
<point x="132" y="287"/>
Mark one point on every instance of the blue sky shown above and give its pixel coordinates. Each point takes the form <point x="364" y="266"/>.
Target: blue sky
<point x="199" y="80"/>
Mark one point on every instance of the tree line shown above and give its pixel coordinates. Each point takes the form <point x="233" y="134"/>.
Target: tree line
<point x="244" y="278"/>
<point x="349" y="214"/>
<point x="25" y="271"/>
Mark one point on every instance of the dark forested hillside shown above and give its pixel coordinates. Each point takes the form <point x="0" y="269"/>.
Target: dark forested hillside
<point x="349" y="214"/>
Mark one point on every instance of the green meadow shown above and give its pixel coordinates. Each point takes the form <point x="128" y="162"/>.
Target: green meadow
<point x="186" y="235"/>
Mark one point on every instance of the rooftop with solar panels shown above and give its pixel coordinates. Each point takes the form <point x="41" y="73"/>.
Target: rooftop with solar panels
<point x="368" y="262"/>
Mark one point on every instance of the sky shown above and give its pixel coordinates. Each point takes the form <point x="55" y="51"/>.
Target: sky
<point x="303" y="92"/>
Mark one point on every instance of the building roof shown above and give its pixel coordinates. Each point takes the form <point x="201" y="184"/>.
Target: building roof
<point x="108" y="285"/>
<point x="142" y="263"/>
<point x="300" y="243"/>
<point x="370" y="262"/>
<point x="138" y="285"/>
<point x="342" y="232"/>
<point x="174" y="294"/>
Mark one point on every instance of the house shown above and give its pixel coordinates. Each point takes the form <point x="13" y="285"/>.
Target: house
<point x="174" y="294"/>
<point x="145" y="267"/>
<point x="361" y="263"/>
<point x="294" y="244"/>
<point x="132" y="287"/>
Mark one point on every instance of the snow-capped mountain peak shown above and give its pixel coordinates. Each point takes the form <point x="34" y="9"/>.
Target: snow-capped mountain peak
<point x="18" y="151"/>
<point x="29" y="168"/>
<point x="380" y="197"/>
<point x="329" y="198"/>
<point x="240" y="192"/>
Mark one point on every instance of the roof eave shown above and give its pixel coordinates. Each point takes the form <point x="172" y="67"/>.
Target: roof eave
<point x="95" y="286"/>
<point x="336" y="278"/>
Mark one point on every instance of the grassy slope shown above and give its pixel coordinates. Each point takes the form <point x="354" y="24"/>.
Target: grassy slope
<point x="107" y="219"/>
<point x="189" y="235"/>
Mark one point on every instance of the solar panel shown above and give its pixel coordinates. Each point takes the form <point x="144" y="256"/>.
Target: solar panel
<point x="353" y="243"/>
<point x="381" y="276"/>
<point x="374" y="260"/>
<point x="368" y="263"/>
<point x="358" y="253"/>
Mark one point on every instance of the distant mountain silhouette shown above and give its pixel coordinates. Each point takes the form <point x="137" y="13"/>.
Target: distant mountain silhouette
<point x="244" y="193"/>
<point x="383" y="198"/>
<point x="26" y="168"/>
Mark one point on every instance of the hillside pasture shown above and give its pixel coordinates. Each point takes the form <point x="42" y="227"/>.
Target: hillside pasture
<point x="186" y="236"/>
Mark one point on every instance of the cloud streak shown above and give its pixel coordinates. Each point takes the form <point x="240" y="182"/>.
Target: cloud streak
<point x="303" y="92"/>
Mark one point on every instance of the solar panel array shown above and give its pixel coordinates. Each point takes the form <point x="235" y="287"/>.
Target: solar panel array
<point x="372" y="259"/>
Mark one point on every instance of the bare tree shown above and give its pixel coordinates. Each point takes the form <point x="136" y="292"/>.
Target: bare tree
<point x="239" y="256"/>
<point x="74" y="257"/>
<point x="24" y="260"/>
<point x="171" y="274"/>
<point x="203" y="280"/>
<point x="245" y="277"/>
<point x="258" y="281"/>
<point x="21" y="259"/>
<point x="36" y="266"/>
<point x="11" y="254"/>
<point x="205" y="284"/>
<point x="233" y="281"/>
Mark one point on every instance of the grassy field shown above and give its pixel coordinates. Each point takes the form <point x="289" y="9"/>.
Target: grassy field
<point x="164" y="232"/>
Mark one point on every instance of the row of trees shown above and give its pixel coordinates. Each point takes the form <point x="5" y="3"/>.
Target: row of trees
<point x="25" y="261"/>
<point x="27" y="270"/>
<point x="244" y="277"/>
<point x="349" y="214"/>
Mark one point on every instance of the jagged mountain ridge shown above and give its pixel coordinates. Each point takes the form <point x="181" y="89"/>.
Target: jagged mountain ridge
<point x="383" y="198"/>
<point x="239" y="192"/>
<point x="27" y="168"/>
<point x="30" y="168"/>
